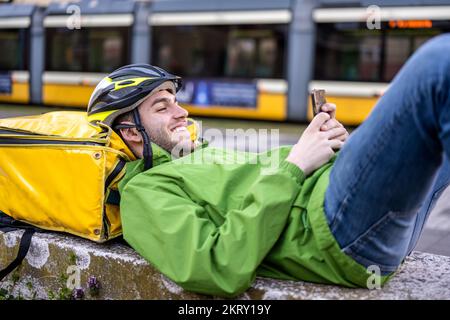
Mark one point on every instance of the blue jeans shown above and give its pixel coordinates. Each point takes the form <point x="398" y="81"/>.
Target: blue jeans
<point x="390" y="172"/>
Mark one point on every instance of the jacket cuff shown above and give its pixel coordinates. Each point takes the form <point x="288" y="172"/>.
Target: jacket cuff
<point x="294" y="170"/>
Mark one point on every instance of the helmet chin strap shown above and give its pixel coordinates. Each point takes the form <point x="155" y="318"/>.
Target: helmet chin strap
<point x="148" y="153"/>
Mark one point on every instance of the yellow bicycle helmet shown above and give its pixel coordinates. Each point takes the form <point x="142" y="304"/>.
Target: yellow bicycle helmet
<point x="123" y="91"/>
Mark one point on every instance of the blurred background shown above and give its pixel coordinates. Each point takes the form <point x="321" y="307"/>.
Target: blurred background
<point x="246" y="64"/>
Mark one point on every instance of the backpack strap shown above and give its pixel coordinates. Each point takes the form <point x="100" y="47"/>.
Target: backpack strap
<point x="113" y="197"/>
<point x="8" y="224"/>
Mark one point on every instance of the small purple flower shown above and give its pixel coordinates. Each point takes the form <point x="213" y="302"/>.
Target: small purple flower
<point x="93" y="285"/>
<point x="77" y="294"/>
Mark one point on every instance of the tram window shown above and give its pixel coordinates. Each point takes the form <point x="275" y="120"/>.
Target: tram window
<point x="397" y="52"/>
<point x="351" y="52"/>
<point x="240" y="58"/>
<point x="64" y="50"/>
<point x="244" y="51"/>
<point x="267" y="58"/>
<point x="346" y="53"/>
<point x="399" y="46"/>
<point x="14" y="44"/>
<point x="106" y="50"/>
<point x="87" y="49"/>
<point x="418" y="41"/>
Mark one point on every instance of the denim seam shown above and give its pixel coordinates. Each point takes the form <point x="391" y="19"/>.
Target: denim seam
<point x="364" y="237"/>
<point x="436" y="122"/>
<point x="342" y="208"/>
<point x="356" y="245"/>
<point x="385" y="269"/>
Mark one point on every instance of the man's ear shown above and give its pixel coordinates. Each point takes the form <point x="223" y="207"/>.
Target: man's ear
<point x="130" y="134"/>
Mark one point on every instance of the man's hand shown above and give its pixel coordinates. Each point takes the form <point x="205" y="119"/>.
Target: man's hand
<point x="330" y="108"/>
<point x="315" y="146"/>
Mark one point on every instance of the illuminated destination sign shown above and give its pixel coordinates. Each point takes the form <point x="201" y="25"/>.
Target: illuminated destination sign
<point x="410" y="24"/>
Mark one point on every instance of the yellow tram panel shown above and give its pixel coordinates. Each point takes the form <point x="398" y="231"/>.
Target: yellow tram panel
<point x="349" y="110"/>
<point x="269" y="107"/>
<point x="67" y="95"/>
<point x="20" y="88"/>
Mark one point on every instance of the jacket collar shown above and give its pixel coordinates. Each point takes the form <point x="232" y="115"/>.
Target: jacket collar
<point x="160" y="156"/>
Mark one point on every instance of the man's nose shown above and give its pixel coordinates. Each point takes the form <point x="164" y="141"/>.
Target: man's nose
<point x="181" y="112"/>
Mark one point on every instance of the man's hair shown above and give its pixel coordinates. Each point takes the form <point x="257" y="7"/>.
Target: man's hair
<point x="128" y="116"/>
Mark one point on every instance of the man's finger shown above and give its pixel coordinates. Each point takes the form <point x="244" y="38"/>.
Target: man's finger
<point x="342" y="137"/>
<point x="318" y="121"/>
<point x="330" y="108"/>
<point x="336" y="132"/>
<point x="330" y="124"/>
<point x="336" y="144"/>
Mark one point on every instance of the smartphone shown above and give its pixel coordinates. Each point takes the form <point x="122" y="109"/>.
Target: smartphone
<point x="317" y="100"/>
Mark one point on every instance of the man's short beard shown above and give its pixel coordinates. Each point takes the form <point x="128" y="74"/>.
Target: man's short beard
<point x="162" y="139"/>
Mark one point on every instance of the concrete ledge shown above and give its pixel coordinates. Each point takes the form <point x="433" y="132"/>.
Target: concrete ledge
<point x="56" y="261"/>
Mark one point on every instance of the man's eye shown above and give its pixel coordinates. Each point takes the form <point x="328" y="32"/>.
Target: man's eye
<point x="162" y="109"/>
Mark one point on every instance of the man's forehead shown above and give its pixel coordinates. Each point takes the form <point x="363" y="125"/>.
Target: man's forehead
<point x="161" y="94"/>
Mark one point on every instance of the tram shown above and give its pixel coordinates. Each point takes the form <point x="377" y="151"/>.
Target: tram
<point x="253" y="59"/>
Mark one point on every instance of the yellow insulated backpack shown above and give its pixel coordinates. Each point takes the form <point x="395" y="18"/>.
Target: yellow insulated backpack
<point x="59" y="172"/>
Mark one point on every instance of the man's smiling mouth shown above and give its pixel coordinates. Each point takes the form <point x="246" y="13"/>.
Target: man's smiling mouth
<point x="179" y="128"/>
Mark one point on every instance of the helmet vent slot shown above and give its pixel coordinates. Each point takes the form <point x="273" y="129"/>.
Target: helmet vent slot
<point x="126" y="82"/>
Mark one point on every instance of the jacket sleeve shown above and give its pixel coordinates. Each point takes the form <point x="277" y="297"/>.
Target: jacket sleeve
<point x="177" y="236"/>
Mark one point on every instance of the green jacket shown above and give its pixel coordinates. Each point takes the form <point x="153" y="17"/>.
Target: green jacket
<point x="215" y="219"/>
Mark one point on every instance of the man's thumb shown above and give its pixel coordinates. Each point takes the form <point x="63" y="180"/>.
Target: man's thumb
<point x="319" y="120"/>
